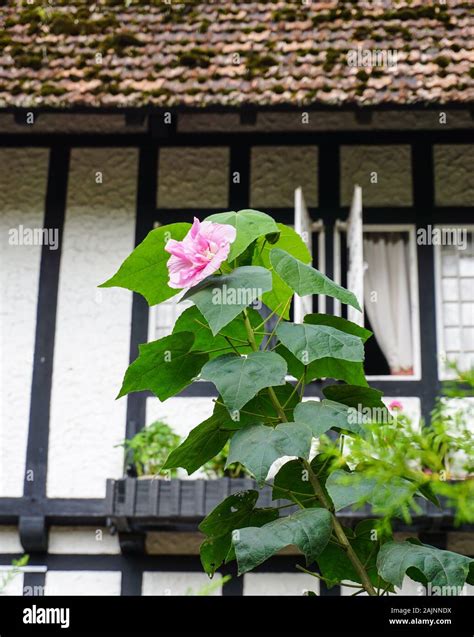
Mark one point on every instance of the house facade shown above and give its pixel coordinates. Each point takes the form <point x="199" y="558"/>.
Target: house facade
<point x="158" y="122"/>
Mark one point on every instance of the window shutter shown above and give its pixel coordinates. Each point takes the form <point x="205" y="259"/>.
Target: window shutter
<point x="303" y="226"/>
<point x="355" y="246"/>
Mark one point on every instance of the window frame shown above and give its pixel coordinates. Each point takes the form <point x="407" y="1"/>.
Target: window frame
<point x="438" y="278"/>
<point x="410" y="228"/>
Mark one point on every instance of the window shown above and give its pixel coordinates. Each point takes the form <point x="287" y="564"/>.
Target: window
<point x="389" y="289"/>
<point x="454" y="275"/>
<point x="163" y="317"/>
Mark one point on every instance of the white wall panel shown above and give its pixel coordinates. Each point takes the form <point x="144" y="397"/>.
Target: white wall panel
<point x="23" y="179"/>
<point x="409" y="587"/>
<point x="83" y="583"/>
<point x="171" y="583"/>
<point x="384" y="172"/>
<point x="82" y="540"/>
<point x="10" y="540"/>
<point x="93" y="326"/>
<point x="279" y="584"/>
<point x="13" y="586"/>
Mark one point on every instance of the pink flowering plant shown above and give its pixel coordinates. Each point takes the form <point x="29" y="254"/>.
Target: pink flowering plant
<point x="230" y="266"/>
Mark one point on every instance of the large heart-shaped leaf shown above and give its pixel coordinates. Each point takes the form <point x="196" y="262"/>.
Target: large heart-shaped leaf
<point x="164" y="367"/>
<point x="203" y="442"/>
<point x="425" y="564"/>
<point x="312" y="342"/>
<point x="323" y="415"/>
<point x="347" y="488"/>
<point x="309" y="530"/>
<point x="365" y="399"/>
<point x="349" y="371"/>
<point x="338" y="323"/>
<point x="216" y="550"/>
<point x="366" y="540"/>
<point x="235" y="512"/>
<point x="292" y="481"/>
<point x="239" y="378"/>
<point x="191" y="320"/>
<point x="250" y="224"/>
<point x="258" y="446"/>
<point x="261" y="408"/>
<point x="221" y="298"/>
<point x="277" y="299"/>
<point x="145" y="270"/>
<point x="304" y="279"/>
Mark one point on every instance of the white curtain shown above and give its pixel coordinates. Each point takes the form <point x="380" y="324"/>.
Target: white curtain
<point x="387" y="298"/>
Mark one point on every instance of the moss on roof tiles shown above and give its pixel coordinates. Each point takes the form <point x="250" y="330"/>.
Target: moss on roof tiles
<point x="191" y="45"/>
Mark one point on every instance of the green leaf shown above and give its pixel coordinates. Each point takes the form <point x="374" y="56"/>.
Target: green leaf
<point x="346" y="488"/>
<point x="191" y="320"/>
<point x="213" y="552"/>
<point x="258" y="446"/>
<point x="309" y="530"/>
<point x="235" y="512"/>
<point x="323" y="415"/>
<point x="338" y="323"/>
<point x="361" y="398"/>
<point x="164" y="367"/>
<point x="145" y="270"/>
<point x="423" y="563"/>
<point x="304" y="279"/>
<point x="277" y="299"/>
<point x="203" y="442"/>
<point x="250" y="224"/>
<point x="221" y="298"/>
<point x="239" y="378"/>
<point x="292" y="481"/>
<point x="229" y="513"/>
<point x="366" y="540"/>
<point x="348" y="371"/>
<point x="312" y="342"/>
<point x="261" y="408"/>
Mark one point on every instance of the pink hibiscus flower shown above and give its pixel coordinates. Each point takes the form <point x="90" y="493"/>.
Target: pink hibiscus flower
<point x="199" y="254"/>
<point x="396" y="404"/>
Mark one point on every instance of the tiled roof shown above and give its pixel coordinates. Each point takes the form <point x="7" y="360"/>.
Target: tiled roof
<point x="130" y="53"/>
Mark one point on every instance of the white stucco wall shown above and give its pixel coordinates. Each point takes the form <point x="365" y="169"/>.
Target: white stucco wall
<point x="390" y="164"/>
<point x="277" y="170"/>
<point x="454" y="176"/>
<point x="193" y="177"/>
<point x="23" y="178"/>
<point x="13" y="586"/>
<point x="174" y="583"/>
<point x="279" y="584"/>
<point x="82" y="540"/>
<point x="93" y="326"/>
<point x="83" y="583"/>
<point x="10" y="540"/>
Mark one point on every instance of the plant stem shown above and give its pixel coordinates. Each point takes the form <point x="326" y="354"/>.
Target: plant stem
<point x="273" y="397"/>
<point x="318" y="490"/>
<point x="339" y="531"/>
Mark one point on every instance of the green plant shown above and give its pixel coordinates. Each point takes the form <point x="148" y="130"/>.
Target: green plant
<point x="217" y="466"/>
<point x="149" y="448"/>
<point x="228" y="263"/>
<point x="13" y="572"/>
